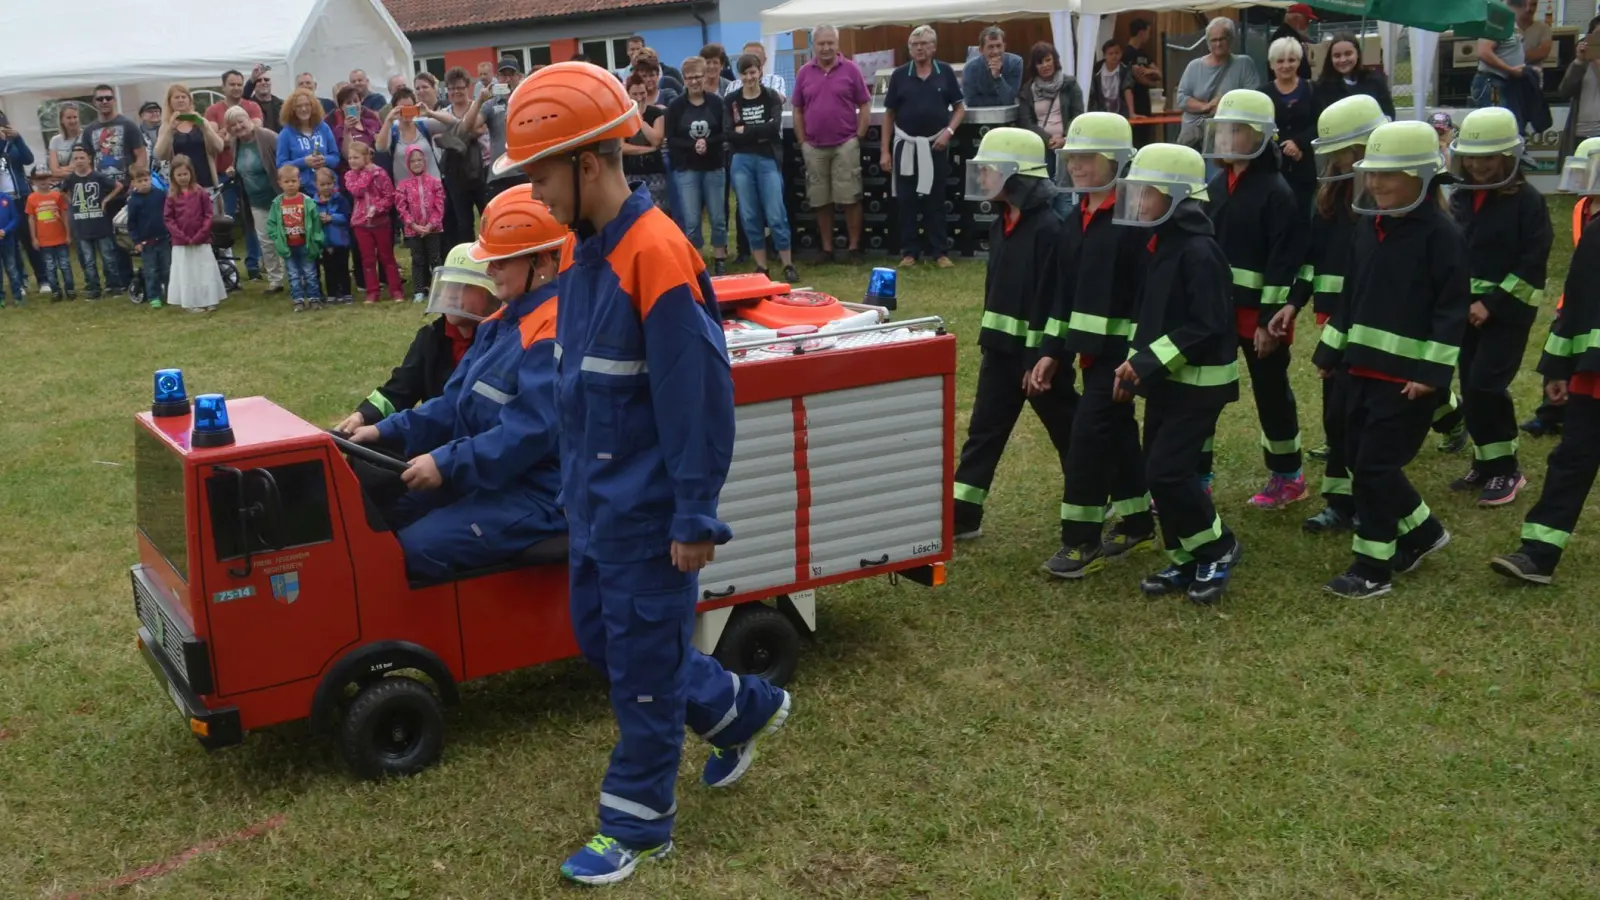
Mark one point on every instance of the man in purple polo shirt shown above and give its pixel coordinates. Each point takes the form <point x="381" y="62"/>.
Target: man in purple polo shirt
<point x="832" y="108"/>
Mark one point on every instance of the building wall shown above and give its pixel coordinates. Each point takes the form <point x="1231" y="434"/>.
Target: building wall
<point x="674" y="34"/>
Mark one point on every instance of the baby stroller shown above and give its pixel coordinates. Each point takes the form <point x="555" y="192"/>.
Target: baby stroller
<point x="119" y="232"/>
<point x="222" y="236"/>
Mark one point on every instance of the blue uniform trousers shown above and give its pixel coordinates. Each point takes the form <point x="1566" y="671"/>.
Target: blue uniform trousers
<point x="633" y="622"/>
<point x="443" y="532"/>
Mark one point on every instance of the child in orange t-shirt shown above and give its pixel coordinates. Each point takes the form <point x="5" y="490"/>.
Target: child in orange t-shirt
<point x="49" y="227"/>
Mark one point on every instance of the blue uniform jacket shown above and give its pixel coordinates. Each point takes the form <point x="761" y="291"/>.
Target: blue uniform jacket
<point x="10" y="218"/>
<point x="644" y="390"/>
<point x="494" y="427"/>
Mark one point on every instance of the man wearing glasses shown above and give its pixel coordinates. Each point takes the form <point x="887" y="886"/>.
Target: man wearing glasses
<point x="114" y="143"/>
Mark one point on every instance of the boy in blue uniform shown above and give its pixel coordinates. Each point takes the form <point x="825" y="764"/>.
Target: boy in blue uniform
<point x="645" y="397"/>
<point x="483" y="477"/>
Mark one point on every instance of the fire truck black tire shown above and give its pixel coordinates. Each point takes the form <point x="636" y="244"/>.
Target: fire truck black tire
<point x="761" y="641"/>
<point x="393" y="727"/>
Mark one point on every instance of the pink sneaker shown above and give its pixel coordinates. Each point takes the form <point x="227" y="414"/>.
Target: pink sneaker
<point x="1280" y="492"/>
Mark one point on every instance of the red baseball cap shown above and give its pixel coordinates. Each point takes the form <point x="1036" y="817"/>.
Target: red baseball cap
<point x="1304" y="10"/>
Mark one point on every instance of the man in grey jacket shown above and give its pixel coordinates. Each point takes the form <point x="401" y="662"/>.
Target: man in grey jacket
<point x="992" y="78"/>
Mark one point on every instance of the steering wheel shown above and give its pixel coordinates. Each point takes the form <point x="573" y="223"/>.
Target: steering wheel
<point x="367" y="454"/>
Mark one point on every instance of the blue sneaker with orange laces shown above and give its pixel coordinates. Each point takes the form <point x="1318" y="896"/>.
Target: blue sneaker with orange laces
<point x="727" y="765"/>
<point x="605" y="861"/>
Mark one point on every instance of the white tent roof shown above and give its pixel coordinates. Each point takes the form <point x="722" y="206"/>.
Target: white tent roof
<point x="1107" y="7"/>
<point x="131" y="42"/>
<point x="798" y="15"/>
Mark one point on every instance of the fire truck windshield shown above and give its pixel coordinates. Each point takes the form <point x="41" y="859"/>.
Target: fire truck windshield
<point x="158" y="493"/>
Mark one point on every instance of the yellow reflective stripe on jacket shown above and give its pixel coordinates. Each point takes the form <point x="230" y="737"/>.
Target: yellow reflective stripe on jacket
<point x="1511" y="284"/>
<point x="1410" y="348"/>
<point x="1327" y="284"/>
<point x="1013" y="326"/>
<point x="1247" y="279"/>
<point x="1092" y="324"/>
<point x="1167" y="353"/>
<point x="1333" y="337"/>
<point x="1207" y="376"/>
<point x="1556" y="345"/>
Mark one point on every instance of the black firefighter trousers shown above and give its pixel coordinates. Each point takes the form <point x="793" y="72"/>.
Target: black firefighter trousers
<point x="1567" y="483"/>
<point x="1383" y="431"/>
<point x="1176" y="428"/>
<point x="1275" y="405"/>
<point x="995" y="411"/>
<point x="1103" y="462"/>
<point x="1491" y="354"/>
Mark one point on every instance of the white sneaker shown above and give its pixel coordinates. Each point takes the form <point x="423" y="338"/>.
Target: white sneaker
<point x="419" y="297"/>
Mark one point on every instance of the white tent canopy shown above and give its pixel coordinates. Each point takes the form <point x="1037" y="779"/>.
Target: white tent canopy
<point x="139" y="50"/>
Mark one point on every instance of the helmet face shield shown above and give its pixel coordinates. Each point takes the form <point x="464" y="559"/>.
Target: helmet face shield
<point x="1482" y="172"/>
<point x="460" y="299"/>
<point x="1145" y="205"/>
<point x="1090" y="170"/>
<point x="1338" y="165"/>
<point x="987" y="180"/>
<point x="1390" y="192"/>
<point x="1574" y="176"/>
<point x="1233" y="140"/>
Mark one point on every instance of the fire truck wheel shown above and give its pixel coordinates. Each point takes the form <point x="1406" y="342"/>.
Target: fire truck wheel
<point x="760" y="641"/>
<point x="393" y="727"/>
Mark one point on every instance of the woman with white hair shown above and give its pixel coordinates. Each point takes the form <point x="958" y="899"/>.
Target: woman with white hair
<point x="255" y="174"/>
<point x="1296" y="116"/>
<point x="1206" y="79"/>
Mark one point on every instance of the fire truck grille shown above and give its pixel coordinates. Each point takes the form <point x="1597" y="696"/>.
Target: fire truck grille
<point x="168" y="634"/>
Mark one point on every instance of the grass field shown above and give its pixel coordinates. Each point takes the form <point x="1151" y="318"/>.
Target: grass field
<point x="1003" y="737"/>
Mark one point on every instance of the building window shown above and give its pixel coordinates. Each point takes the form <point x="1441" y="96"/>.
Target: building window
<point x="204" y="99"/>
<point x="433" y="65"/>
<point x="536" y="55"/>
<point x="609" y="52"/>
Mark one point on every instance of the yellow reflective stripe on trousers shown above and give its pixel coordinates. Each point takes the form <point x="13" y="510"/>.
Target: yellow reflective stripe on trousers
<point x="1207" y="376"/>
<point x="1280" y="447"/>
<point x="1555" y="345"/>
<point x="1092" y="324"/>
<point x="1209" y="445"/>
<point x="1452" y="402"/>
<point x="1013" y="326"/>
<point x="969" y="494"/>
<point x="1410" y="348"/>
<point x="1332" y="485"/>
<point x="1333" y="337"/>
<point x="1499" y="449"/>
<point x="1131" y="507"/>
<point x="1374" y="549"/>
<point x="1544" y="534"/>
<point x="1247" y="279"/>
<point x="1166" y="352"/>
<point x="1195" y="541"/>
<point x="1410" y="523"/>
<point x="1093" y="514"/>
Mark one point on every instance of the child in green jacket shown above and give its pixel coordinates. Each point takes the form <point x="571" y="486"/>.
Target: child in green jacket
<point x="296" y="231"/>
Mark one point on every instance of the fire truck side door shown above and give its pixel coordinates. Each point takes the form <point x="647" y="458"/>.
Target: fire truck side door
<point x="278" y="579"/>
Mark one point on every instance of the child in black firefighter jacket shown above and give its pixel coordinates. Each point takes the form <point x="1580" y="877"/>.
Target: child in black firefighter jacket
<point x="1091" y="320"/>
<point x="1508" y="232"/>
<point x="1396" y="337"/>
<point x="1571" y="367"/>
<point x="1018" y="287"/>
<point x="1263" y="234"/>
<point x="1183" y="362"/>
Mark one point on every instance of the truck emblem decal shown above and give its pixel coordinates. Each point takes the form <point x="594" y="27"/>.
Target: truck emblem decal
<point x="286" y="587"/>
<point x="234" y="594"/>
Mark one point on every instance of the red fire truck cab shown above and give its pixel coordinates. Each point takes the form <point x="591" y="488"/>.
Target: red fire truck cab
<point x="268" y="589"/>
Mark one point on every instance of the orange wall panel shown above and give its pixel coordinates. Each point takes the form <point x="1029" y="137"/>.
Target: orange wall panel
<point x="469" y="59"/>
<point x="563" y="49"/>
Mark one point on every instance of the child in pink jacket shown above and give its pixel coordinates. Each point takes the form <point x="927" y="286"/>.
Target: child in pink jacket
<point x="371" y="199"/>
<point x="193" y="282"/>
<point x="420" y="200"/>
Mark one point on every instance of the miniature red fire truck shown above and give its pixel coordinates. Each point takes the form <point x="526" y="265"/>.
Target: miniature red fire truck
<point x="268" y="589"/>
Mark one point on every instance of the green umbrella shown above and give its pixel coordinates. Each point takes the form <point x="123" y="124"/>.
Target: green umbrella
<point x="1467" y="18"/>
